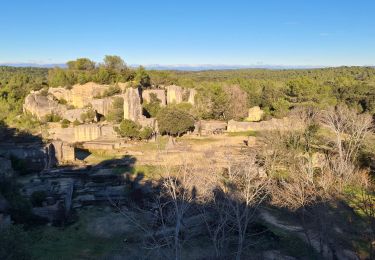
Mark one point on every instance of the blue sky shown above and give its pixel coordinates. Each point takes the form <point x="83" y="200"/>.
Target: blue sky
<point x="277" y="32"/>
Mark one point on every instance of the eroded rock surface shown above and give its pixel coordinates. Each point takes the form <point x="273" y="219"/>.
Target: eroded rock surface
<point x="41" y="105"/>
<point x="132" y="105"/>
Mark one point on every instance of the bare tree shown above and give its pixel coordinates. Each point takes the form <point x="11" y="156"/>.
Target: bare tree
<point x="244" y="191"/>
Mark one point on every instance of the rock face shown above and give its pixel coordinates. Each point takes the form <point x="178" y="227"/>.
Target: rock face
<point x="42" y="105"/>
<point x="83" y="95"/>
<point x="192" y="94"/>
<point x="89" y="132"/>
<point x="64" y="152"/>
<point x="103" y="105"/>
<point x="160" y="94"/>
<point x="255" y="114"/>
<point x="174" y="94"/>
<point x="132" y="105"/>
<point x="61" y="93"/>
<point x="74" y="114"/>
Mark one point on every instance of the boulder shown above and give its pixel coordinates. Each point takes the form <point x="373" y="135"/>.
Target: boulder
<point x="255" y="114"/>
<point x="160" y="94"/>
<point x="89" y="132"/>
<point x="41" y="105"/>
<point x="174" y="94"/>
<point x="64" y="152"/>
<point x="132" y="105"/>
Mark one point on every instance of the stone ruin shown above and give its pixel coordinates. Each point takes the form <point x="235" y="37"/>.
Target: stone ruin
<point x="209" y="127"/>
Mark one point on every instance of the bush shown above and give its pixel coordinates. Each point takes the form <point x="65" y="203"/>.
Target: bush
<point x="128" y="129"/>
<point x="65" y="123"/>
<point x="152" y="108"/>
<point x="76" y="123"/>
<point x="116" y="113"/>
<point x="89" y="116"/>
<point x="52" y="118"/>
<point x="111" y="91"/>
<point x="133" y="130"/>
<point x="174" y="122"/>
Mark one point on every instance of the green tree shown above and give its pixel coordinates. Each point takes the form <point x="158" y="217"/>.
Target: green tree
<point x="81" y="64"/>
<point x="142" y="77"/>
<point x="113" y="62"/>
<point x="174" y="122"/>
<point x="152" y="108"/>
<point x="116" y="113"/>
<point x="129" y="129"/>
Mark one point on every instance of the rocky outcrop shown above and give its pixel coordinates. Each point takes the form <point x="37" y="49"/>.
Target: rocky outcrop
<point x="61" y="93"/>
<point x="83" y="95"/>
<point x="103" y="105"/>
<point x="64" y="152"/>
<point x="192" y="94"/>
<point x="58" y="133"/>
<point x="132" y="105"/>
<point x="174" y="94"/>
<point x="41" y="105"/>
<point x="160" y="94"/>
<point x="89" y="132"/>
<point x="74" y="114"/>
<point x="255" y="114"/>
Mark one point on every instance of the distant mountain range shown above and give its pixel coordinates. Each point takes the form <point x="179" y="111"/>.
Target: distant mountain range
<point x="181" y="67"/>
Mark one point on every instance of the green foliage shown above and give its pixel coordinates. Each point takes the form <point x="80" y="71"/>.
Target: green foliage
<point x="116" y="113"/>
<point x="174" y="122"/>
<point x="142" y="78"/>
<point x="65" y="123"/>
<point x="81" y="64"/>
<point x="37" y="198"/>
<point x="89" y="116"/>
<point x="111" y="91"/>
<point x="132" y="130"/>
<point x="146" y="133"/>
<point x="52" y="118"/>
<point x="152" y="108"/>
<point x="113" y="62"/>
<point x="14" y="243"/>
<point x="128" y="129"/>
<point x="76" y="123"/>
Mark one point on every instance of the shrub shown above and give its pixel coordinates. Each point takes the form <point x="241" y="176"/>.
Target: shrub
<point x="76" y="123"/>
<point x="146" y="133"/>
<point x="116" y="113"/>
<point x="52" y="118"/>
<point x="65" y="123"/>
<point x="89" y="116"/>
<point x="174" y="121"/>
<point x="128" y="129"/>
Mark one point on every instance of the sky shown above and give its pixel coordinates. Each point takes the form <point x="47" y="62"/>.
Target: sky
<point x="232" y="32"/>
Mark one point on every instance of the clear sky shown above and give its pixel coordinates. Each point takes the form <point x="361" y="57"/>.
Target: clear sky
<point x="277" y="32"/>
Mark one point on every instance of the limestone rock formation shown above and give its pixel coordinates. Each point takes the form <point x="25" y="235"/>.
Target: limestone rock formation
<point x="174" y="94"/>
<point x="103" y="105"/>
<point x="255" y="114"/>
<point x="61" y="93"/>
<point x="204" y="127"/>
<point x="160" y="94"/>
<point x="64" y="152"/>
<point x="89" y="132"/>
<point x="74" y="114"/>
<point x="132" y="104"/>
<point x="83" y="95"/>
<point x="270" y="125"/>
<point x="192" y="94"/>
<point x="40" y="105"/>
